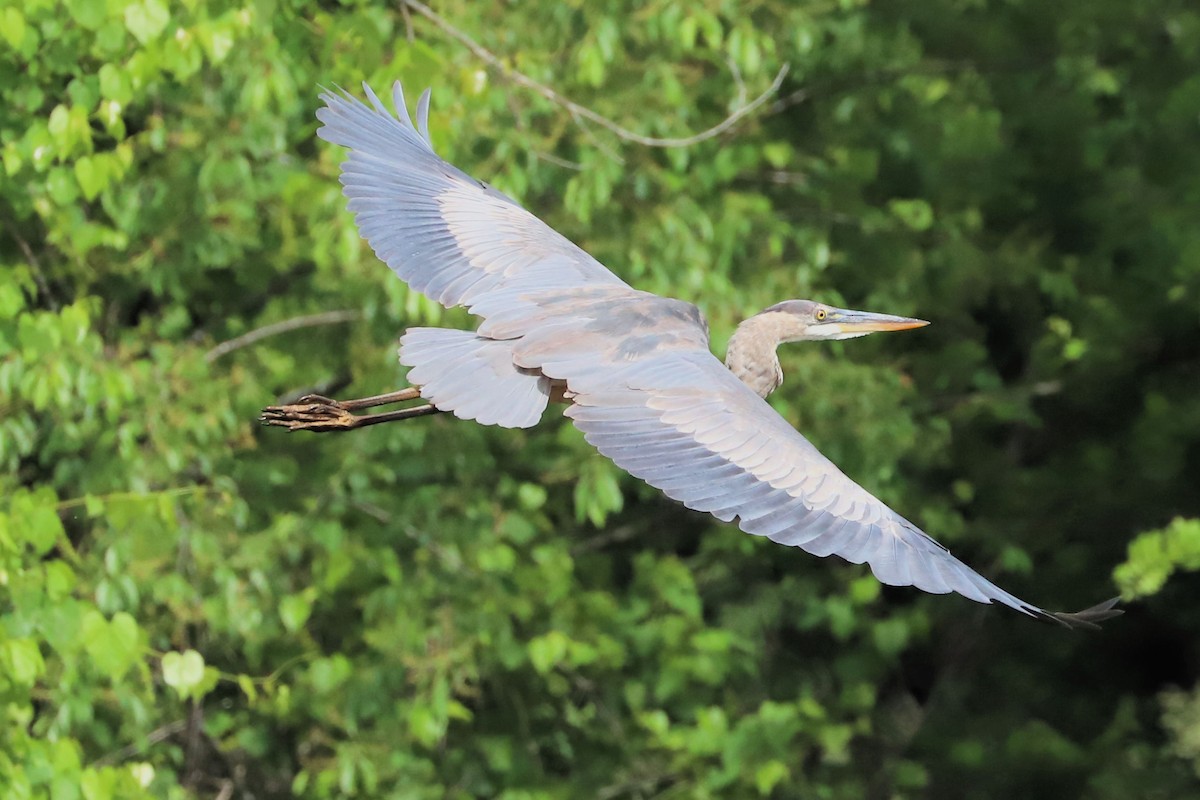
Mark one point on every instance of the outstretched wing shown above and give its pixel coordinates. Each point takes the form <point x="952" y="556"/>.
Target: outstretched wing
<point x="447" y="235"/>
<point x="685" y="424"/>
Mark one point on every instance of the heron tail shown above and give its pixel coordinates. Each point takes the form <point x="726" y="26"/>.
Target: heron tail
<point x="474" y="377"/>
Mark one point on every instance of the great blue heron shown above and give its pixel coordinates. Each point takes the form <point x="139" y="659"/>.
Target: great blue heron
<point x="635" y="368"/>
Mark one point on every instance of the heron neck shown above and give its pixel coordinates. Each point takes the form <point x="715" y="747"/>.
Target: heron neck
<point x="751" y="354"/>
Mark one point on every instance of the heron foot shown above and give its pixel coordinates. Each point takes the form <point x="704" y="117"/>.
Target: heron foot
<point x="320" y="414"/>
<point x="312" y="412"/>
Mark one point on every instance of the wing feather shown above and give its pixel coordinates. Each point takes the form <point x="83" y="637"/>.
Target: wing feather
<point x="684" y="424"/>
<point x="447" y="235"/>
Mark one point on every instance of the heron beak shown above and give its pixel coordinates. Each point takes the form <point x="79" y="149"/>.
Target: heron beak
<point x="849" y="321"/>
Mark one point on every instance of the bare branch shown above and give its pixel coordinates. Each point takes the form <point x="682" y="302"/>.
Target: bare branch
<point x="737" y="80"/>
<point x="154" y="737"/>
<point x="558" y="162"/>
<point x="275" y="328"/>
<point x="35" y="265"/>
<point x="795" y="98"/>
<point x="580" y="112"/>
<point x="601" y="146"/>
<point x="408" y="26"/>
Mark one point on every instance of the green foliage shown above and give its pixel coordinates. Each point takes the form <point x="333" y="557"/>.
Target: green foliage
<point x="1155" y="555"/>
<point x="193" y="606"/>
<point x="1181" y="718"/>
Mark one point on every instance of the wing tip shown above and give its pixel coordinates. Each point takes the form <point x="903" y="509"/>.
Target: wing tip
<point x="1089" y="618"/>
<point x="423" y="114"/>
<point x="344" y="115"/>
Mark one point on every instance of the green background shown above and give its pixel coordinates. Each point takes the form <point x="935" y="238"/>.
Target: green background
<point x="195" y="606"/>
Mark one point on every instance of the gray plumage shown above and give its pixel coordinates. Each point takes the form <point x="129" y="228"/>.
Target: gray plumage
<point x="644" y="388"/>
<point x="473" y="377"/>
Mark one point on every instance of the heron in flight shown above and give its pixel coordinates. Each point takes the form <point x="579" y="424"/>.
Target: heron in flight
<point x="634" y="368"/>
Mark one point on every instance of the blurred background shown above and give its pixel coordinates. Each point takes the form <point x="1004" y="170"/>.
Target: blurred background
<point x="195" y="606"/>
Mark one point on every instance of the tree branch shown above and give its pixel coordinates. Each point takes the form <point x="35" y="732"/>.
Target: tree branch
<point x="154" y="737"/>
<point x="35" y="265"/>
<point x="577" y="111"/>
<point x="287" y="325"/>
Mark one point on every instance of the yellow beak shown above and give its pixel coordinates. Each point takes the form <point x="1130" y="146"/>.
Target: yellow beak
<point x="849" y="321"/>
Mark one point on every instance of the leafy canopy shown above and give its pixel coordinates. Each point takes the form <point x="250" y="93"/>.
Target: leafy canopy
<point x="193" y="606"/>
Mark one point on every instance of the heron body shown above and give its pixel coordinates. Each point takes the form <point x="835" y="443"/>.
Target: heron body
<point x="636" y="368"/>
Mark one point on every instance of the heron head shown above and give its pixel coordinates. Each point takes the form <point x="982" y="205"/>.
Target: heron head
<point x="812" y="321"/>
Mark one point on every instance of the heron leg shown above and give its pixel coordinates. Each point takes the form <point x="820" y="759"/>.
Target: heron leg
<point x="398" y="396"/>
<point x="319" y="414"/>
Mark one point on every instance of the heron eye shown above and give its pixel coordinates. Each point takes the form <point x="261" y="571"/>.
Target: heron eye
<point x="820" y="315"/>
